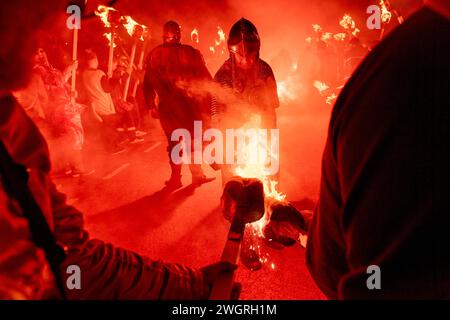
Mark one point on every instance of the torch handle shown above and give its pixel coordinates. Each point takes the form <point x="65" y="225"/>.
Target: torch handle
<point x="74" y="58"/>
<point x="130" y="70"/>
<point x="223" y="286"/>
<point x="111" y="54"/>
<point x="140" y="67"/>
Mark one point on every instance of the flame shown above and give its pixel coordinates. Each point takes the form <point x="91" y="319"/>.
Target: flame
<point x="308" y="40"/>
<point x="326" y="36"/>
<point x="331" y="98"/>
<point x="321" y="86"/>
<point x="347" y="22"/>
<point x="385" y="13"/>
<point x="130" y="25"/>
<point x="195" y="36"/>
<point x="258" y="170"/>
<point x="340" y="36"/>
<point x="145" y="33"/>
<point x="221" y="34"/>
<point x="102" y="12"/>
<point x="316" y="28"/>
<point x="108" y="36"/>
<point x="219" y="42"/>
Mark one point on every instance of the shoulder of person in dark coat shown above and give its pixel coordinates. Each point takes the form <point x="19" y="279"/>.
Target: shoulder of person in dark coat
<point x="224" y="73"/>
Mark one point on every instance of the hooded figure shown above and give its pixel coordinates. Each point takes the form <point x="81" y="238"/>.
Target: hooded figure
<point x="248" y="95"/>
<point x="171" y="71"/>
<point x="251" y="80"/>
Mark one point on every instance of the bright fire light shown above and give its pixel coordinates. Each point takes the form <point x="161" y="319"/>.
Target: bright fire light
<point x="102" y="13"/>
<point x="258" y="171"/>
<point x="347" y="22"/>
<point x="221" y="34"/>
<point x="321" y="86"/>
<point x="130" y="25"/>
<point x="385" y="13"/>
<point x="108" y="36"/>
<point x="195" y="36"/>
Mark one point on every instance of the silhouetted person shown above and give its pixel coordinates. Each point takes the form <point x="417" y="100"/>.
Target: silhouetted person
<point x="170" y="67"/>
<point x="385" y="190"/>
<point x="251" y="83"/>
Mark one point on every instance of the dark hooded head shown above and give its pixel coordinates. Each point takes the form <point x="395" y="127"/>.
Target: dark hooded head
<point x="244" y="43"/>
<point x="171" y="32"/>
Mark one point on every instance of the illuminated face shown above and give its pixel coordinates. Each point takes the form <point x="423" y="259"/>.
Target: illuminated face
<point x="41" y="57"/>
<point x="93" y="63"/>
<point x="170" y="37"/>
<point x="243" y="60"/>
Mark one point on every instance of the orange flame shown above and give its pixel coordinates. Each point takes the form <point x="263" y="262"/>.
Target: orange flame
<point x="385" y="13"/>
<point x="316" y="28"/>
<point x="340" y="36"/>
<point x="320" y="86"/>
<point x="221" y="36"/>
<point x="331" y="98"/>
<point x="108" y="36"/>
<point x="347" y="22"/>
<point x="130" y="25"/>
<point x="326" y="36"/>
<point x="195" y="36"/>
<point x="102" y="13"/>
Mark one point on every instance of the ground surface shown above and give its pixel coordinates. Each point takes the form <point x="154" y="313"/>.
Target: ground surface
<point x="123" y="204"/>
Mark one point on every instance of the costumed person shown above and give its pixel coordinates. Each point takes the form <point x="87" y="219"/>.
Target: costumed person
<point x="98" y="87"/>
<point x="250" y="88"/>
<point x="170" y="67"/>
<point x="127" y="110"/>
<point x="63" y="115"/>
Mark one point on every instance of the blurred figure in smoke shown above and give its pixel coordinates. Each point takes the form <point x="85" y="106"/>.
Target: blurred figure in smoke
<point x="253" y="84"/>
<point x="169" y="67"/>
<point x="384" y="209"/>
<point x="34" y="99"/>
<point x="63" y="114"/>
<point x="126" y="110"/>
<point x="35" y="221"/>
<point x="98" y="88"/>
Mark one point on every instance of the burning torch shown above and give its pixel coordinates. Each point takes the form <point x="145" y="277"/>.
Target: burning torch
<point x="136" y="31"/>
<point x="242" y="202"/>
<point x="111" y="19"/>
<point x="145" y="36"/>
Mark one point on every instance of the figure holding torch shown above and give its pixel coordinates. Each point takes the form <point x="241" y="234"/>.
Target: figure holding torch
<point x="74" y="23"/>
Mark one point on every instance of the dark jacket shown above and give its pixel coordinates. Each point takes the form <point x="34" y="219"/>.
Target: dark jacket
<point x="384" y="195"/>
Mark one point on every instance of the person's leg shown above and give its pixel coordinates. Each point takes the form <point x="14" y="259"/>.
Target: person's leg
<point x="175" y="176"/>
<point x="110" y="135"/>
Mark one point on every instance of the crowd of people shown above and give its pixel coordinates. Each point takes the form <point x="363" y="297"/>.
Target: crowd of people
<point x="62" y="114"/>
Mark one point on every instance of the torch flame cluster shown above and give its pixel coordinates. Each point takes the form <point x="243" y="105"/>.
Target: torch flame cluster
<point x="102" y="12"/>
<point x="219" y="42"/>
<point x="130" y="25"/>
<point x="195" y="36"/>
<point x="258" y="171"/>
<point x="385" y="13"/>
